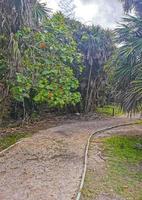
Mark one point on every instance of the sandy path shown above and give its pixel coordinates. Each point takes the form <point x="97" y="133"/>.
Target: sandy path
<point x="49" y="165"/>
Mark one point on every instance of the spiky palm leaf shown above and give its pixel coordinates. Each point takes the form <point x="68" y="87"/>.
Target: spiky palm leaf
<point x="67" y="7"/>
<point x="129" y="64"/>
<point x="17" y="13"/>
<point x="133" y="4"/>
<point x="40" y="12"/>
<point x="96" y="45"/>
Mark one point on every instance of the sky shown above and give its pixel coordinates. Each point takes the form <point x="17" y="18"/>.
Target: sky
<point x="99" y="12"/>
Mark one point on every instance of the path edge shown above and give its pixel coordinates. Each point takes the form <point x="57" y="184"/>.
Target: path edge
<point x="78" y="196"/>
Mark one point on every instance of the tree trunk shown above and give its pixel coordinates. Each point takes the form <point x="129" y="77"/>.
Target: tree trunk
<point x="88" y="87"/>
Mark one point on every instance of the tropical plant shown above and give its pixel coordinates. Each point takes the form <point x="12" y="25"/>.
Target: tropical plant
<point x="41" y="59"/>
<point x="129" y="5"/>
<point x="96" y="45"/>
<point x="46" y="75"/>
<point x="67" y="7"/>
<point x="128" y="64"/>
<point x="14" y="15"/>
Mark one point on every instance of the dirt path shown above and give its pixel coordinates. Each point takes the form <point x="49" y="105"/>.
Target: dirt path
<point x="49" y="165"/>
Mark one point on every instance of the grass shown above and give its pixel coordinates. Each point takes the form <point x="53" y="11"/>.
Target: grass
<point x="124" y="148"/>
<point x="9" y="140"/>
<point x="139" y="122"/>
<point x="125" y="165"/>
<point x="110" y="110"/>
<point x="122" y="172"/>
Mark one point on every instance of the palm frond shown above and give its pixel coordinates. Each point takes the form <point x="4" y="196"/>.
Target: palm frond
<point x="128" y="72"/>
<point x="130" y="5"/>
<point x="17" y="13"/>
<point x="40" y="12"/>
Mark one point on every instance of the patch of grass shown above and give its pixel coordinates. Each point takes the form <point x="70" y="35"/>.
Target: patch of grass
<point x="124" y="165"/>
<point x="9" y="140"/>
<point x="110" y="110"/>
<point x="88" y="192"/>
<point x="120" y="174"/>
<point x="124" y="148"/>
<point x="139" y="122"/>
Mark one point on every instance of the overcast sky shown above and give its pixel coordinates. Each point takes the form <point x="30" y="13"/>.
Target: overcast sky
<point x="103" y="12"/>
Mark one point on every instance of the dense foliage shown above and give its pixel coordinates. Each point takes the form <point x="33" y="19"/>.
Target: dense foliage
<point x="128" y="64"/>
<point x="14" y="15"/>
<point x="51" y="61"/>
<point x="36" y="68"/>
<point x="59" y="63"/>
<point x="97" y="47"/>
<point x="46" y="75"/>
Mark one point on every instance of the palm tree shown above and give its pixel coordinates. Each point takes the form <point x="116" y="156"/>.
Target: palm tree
<point x="128" y="73"/>
<point x="96" y="45"/>
<point x="67" y="7"/>
<point x="99" y="47"/>
<point x="17" y="13"/>
<point x="133" y="4"/>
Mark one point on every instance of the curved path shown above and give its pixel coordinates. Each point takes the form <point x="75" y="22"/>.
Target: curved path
<point x="49" y="165"/>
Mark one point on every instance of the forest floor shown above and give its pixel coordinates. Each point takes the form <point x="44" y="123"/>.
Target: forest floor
<point x="49" y="164"/>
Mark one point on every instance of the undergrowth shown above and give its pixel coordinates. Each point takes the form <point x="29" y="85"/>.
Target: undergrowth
<point x="110" y="110"/>
<point x="9" y="140"/>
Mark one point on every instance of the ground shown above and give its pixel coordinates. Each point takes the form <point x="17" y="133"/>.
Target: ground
<point x="115" y="164"/>
<point x="49" y="164"/>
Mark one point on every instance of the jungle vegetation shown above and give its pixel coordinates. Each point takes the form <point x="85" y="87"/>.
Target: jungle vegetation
<point x="54" y="62"/>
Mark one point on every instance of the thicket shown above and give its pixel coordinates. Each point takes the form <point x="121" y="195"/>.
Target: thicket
<point x="55" y="63"/>
<point x="51" y="62"/>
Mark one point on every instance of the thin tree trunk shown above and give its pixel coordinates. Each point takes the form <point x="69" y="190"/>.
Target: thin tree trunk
<point x="90" y="96"/>
<point x="88" y="87"/>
